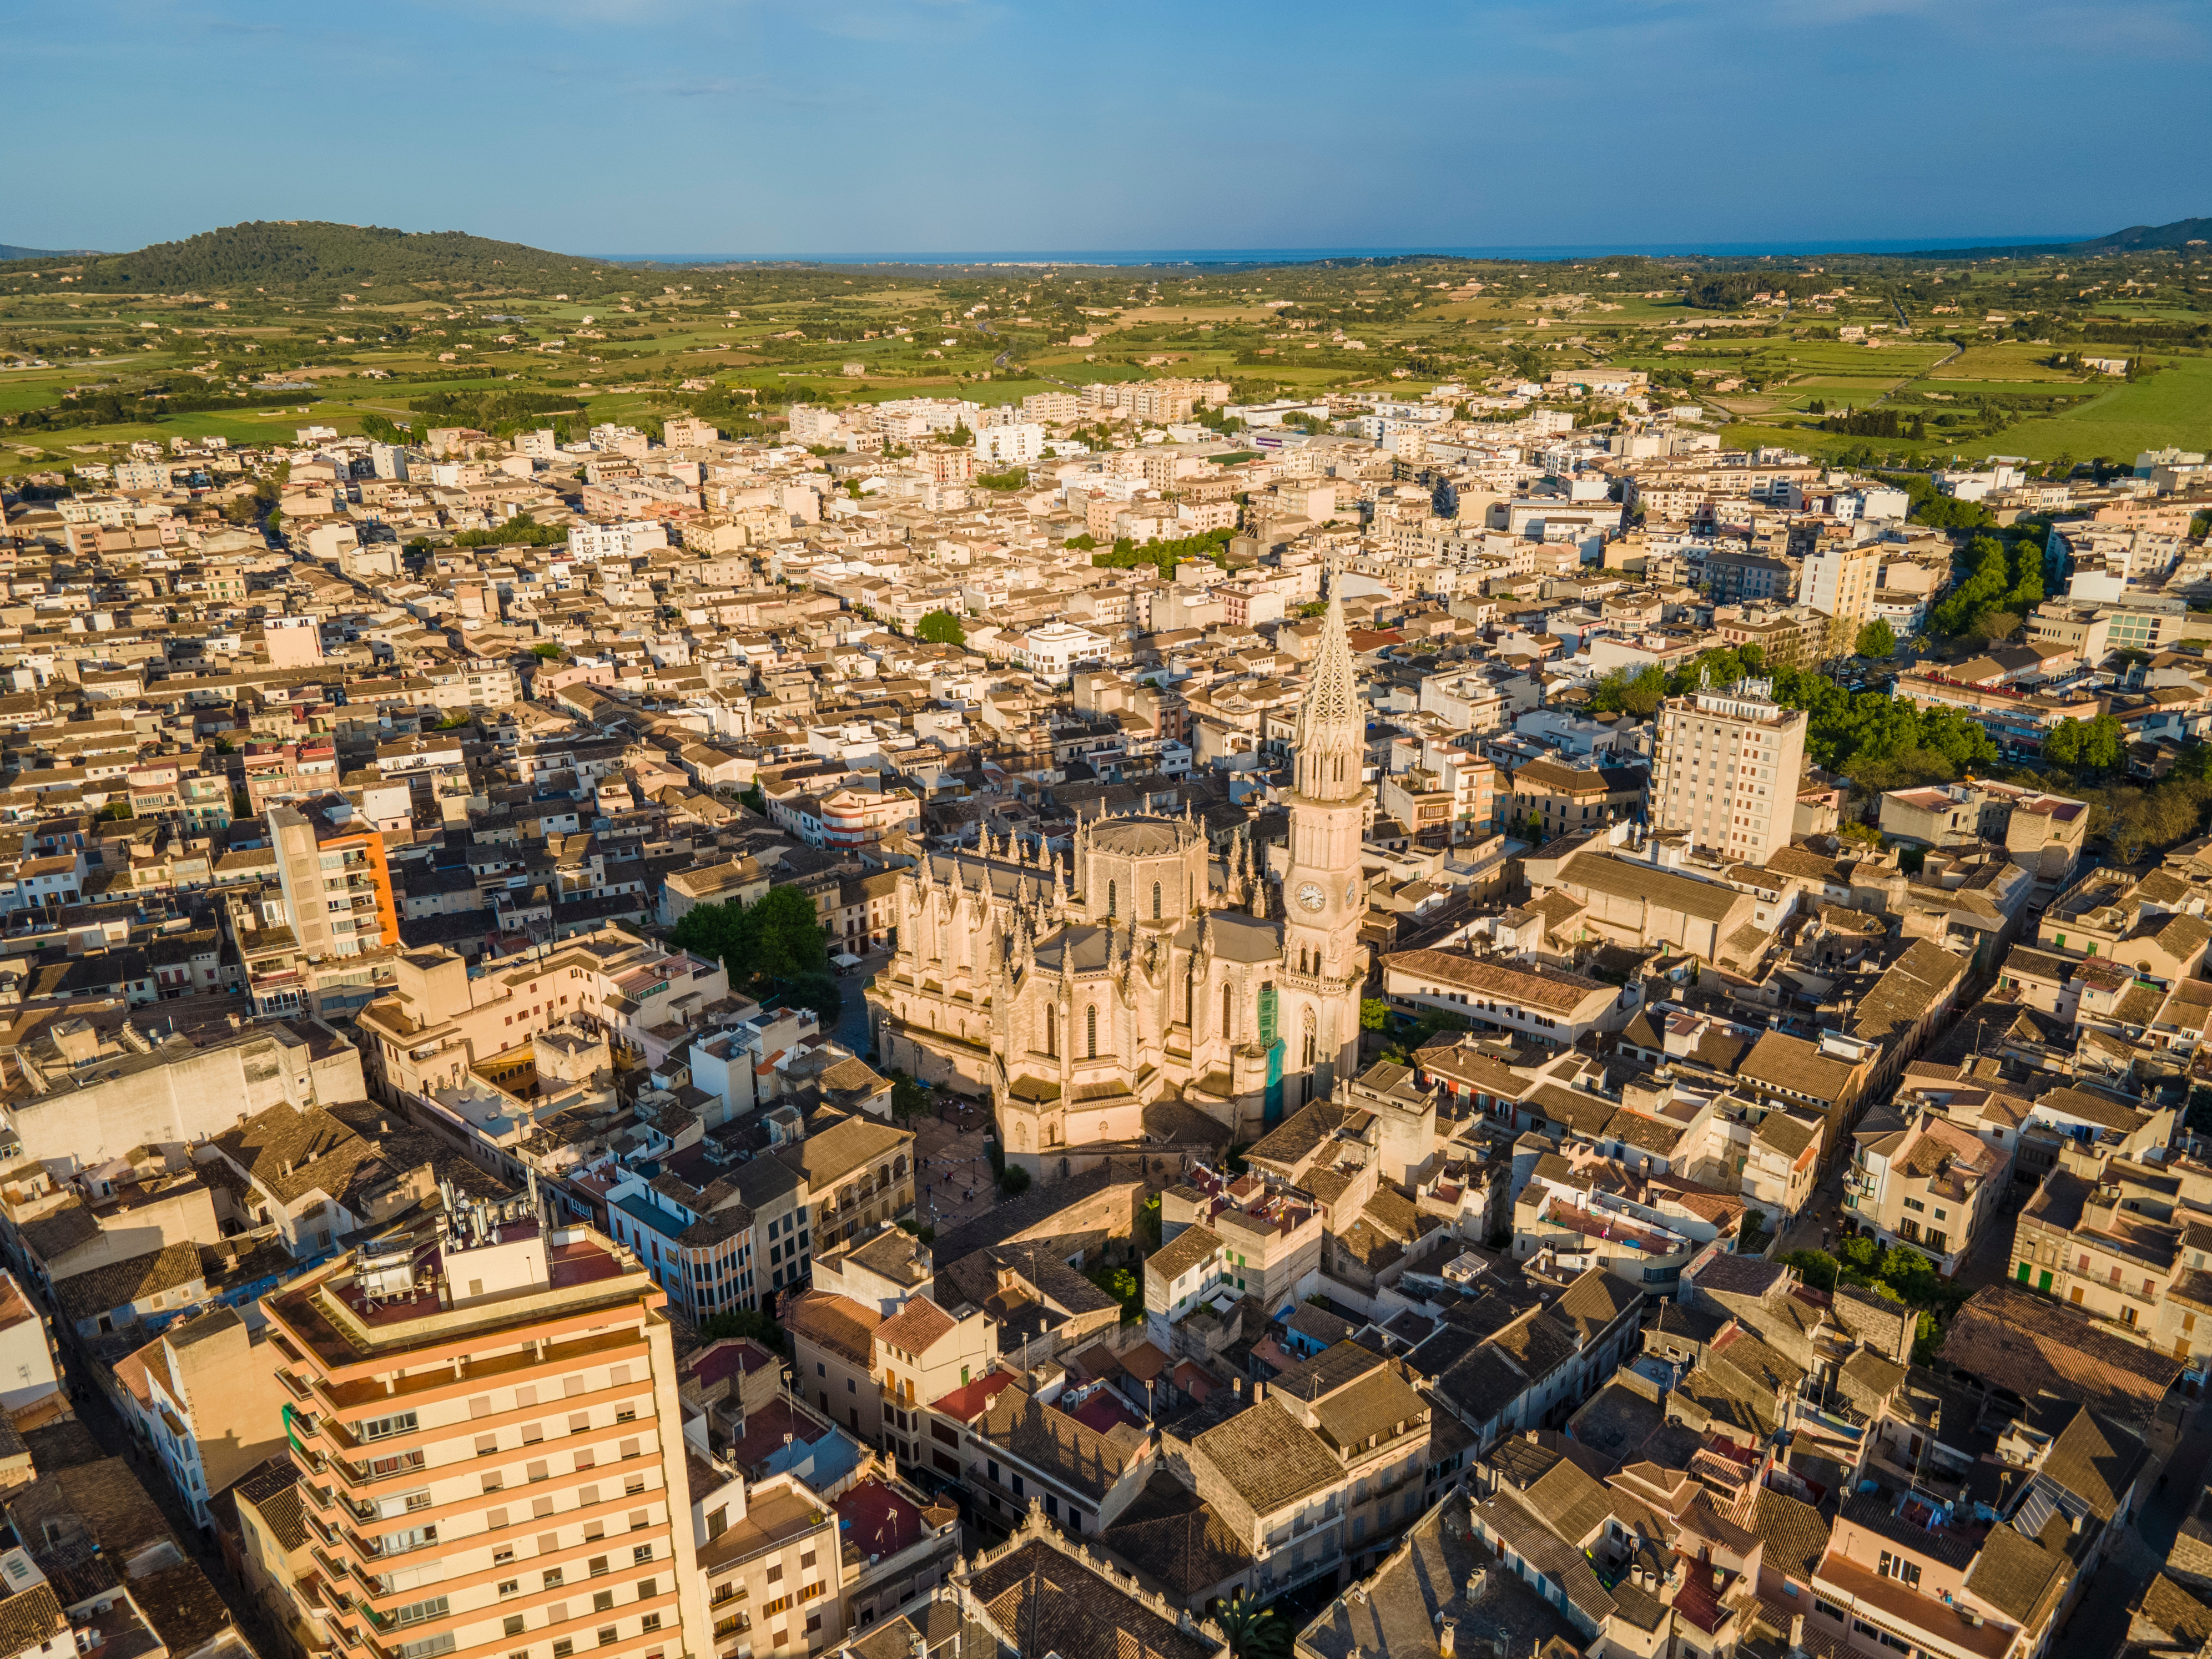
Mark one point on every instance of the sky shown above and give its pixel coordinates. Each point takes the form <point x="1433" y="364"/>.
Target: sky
<point x="773" y="127"/>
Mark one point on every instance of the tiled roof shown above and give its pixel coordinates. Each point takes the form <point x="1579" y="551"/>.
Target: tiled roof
<point x="1268" y="1457"/>
<point x="1048" y="1439"/>
<point x="913" y="1327"/>
<point x="844" y="1327"/>
<point x="1048" y="1602"/>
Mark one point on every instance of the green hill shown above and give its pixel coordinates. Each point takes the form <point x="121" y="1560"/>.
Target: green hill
<point x="10" y="251"/>
<point x="2136" y="239"/>
<point x="307" y="255"/>
<point x="2139" y="238"/>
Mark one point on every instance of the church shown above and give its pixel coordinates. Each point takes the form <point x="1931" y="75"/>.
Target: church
<point x="1144" y="988"/>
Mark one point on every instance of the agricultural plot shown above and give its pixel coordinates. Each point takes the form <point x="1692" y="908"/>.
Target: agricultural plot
<point x="2171" y="407"/>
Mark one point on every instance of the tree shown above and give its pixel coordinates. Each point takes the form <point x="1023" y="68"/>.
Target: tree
<point x="1013" y="1181"/>
<point x="1252" y="1632"/>
<point x="1816" y="1268"/>
<point x="2097" y="746"/>
<point x="1622" y="693"/>
<point x="1374" y="1014"/>
<point x="745" y="1322"/>
<point x="1125" y="1287"/>
<point x="1877" y="639"/>
<point x="778" y="944"/>
<point x="941" y="628"/>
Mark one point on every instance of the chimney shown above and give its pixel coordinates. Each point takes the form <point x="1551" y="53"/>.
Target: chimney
<point x="1446" y="1637"/>
<point x="1259" y="1392"/>
<point x="1796" y="1635"/>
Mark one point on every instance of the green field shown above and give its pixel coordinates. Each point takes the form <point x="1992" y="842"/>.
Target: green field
<point x="2173" y="407"/>
<point x="2002" y="363"/>
<point x="719" y="327"/>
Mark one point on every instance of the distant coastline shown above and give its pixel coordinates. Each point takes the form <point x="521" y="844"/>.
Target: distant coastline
<point x="1272" y="255"/>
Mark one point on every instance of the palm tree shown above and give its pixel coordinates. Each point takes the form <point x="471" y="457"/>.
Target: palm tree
<point x="1253" y="1632"/>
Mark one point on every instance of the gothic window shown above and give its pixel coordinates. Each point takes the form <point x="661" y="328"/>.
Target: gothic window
<point x="1313" y="1041"/>
<point x="1109" y="898"/>
<point x="1156" y="901"/>
<point x="1052" y="1030"/>
<point x="1228" y="1013"/>
<point x="1091" y="1034"/>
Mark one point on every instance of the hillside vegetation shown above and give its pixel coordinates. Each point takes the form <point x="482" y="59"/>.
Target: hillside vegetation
<point x="310" y="256"/>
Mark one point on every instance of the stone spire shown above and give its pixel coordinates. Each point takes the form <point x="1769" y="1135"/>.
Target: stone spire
<point x="1332" y="735"/>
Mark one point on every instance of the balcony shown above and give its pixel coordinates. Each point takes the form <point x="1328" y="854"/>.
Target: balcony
<point x="1271" y="1584"/>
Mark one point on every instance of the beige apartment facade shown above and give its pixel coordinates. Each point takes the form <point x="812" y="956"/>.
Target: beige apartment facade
<point x="486" y="1422"/>
<point x="1726" y="769"/>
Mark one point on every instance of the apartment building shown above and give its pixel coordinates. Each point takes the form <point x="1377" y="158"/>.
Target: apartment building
<point x="2123" y="1238"/>
<point x="1932" y="1186"/>
<point x="1555" y="1006"/>
<point x="1369" y="1415"/>
<point x="204" y="1395"/>
<point x="439" y="1020"/>
<point x="773" y="1567"/>
<point x="1727" y="768"/>
<point x="1839" y="580"/>
<point x="2042" y="833"/>
<point x="1267" y="1240"/>
<point x="486" y="1421"/>
<point x="1914" y="1564"/>
<point x="1276" y="1485"/>
<point x="336" y="881"/>
<point x="1549" y="799"/>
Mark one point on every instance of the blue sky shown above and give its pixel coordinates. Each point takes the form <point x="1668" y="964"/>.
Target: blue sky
<point x="782" y="126"/>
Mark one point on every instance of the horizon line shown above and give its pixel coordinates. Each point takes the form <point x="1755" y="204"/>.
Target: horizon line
<point x="1185" y="256"/>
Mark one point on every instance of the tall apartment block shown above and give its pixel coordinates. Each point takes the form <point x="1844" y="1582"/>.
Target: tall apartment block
<point x="1840" y="581"/>
<point x="492" y="1462"/>
<point x="337" y="885"/>
<point x="1726" y="769"/>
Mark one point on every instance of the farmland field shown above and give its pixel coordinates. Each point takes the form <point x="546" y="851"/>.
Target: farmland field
<point x="2171" y="407"/>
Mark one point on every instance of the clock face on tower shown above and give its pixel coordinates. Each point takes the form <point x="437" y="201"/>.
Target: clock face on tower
<point x="1350" y="894"/>
<point x="1311" y="896"/>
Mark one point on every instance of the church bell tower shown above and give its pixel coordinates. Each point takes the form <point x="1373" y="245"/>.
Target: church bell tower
<point x="1324" y="899"/>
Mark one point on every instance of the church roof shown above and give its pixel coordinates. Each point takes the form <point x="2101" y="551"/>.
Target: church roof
<point x="1138" y="837"/>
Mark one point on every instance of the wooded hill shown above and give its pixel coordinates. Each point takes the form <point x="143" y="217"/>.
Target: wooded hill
<point x="310" y="256"/>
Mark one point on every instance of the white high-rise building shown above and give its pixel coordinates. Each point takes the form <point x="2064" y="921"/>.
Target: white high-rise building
<point x="1726" y="769"/>
<point x="1017" y="444"/>
<point x="1840" y="581"/>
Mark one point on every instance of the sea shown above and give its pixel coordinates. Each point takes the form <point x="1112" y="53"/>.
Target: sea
<point x="1054" y="259"/>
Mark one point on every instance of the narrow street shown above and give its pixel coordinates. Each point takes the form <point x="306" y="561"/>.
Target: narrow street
<point x="852" y="1027"/>
<point x="115" y="1439"/>
<point x="2098" y="1627"/>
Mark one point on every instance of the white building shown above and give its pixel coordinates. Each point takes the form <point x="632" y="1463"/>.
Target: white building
<point x="616" y="541"/>
<point x="1015" y="444"/>
<point x="1840" y="581"/>
<point x="1051" y="649"/>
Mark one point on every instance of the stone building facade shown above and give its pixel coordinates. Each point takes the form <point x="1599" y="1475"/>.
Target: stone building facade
<point x="1146" y="993"/>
